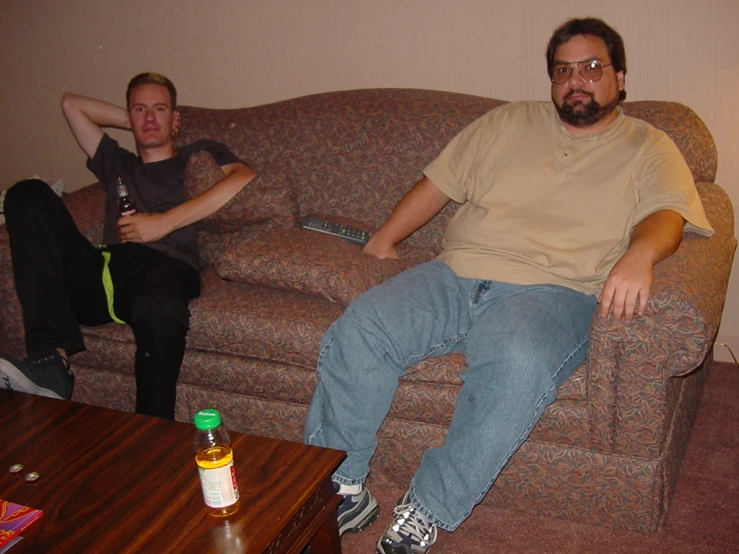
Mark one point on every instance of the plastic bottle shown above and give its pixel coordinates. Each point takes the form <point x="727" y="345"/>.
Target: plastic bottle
<point x="214" y="456"/>
<point x="126" y="205"/>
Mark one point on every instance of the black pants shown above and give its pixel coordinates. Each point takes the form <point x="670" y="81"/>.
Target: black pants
<point x="58" y="279"/>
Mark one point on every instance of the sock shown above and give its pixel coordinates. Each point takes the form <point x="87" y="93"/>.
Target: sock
<point x="350" y="490"/>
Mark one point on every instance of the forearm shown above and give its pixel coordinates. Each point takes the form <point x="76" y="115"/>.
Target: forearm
<point x="212" y="200"/>
<point x="626" y="290"/>
<point x="415" y="209"/>
<point x="657" y="236"/>
<point x="87" y="116"/>
<point x="99" y="112"/>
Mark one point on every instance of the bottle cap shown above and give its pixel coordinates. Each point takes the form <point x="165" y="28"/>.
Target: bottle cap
<point x="207" y="419"/>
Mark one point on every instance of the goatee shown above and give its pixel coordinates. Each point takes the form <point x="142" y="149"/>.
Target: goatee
<point x="584" y="115"/>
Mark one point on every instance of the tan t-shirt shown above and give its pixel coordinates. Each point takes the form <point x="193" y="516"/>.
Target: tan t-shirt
<point x="542" y="206"/>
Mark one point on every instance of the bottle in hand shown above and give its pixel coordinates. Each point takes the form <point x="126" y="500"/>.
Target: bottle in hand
<point x="126" y="205"/>
<point x="215" y="460"/>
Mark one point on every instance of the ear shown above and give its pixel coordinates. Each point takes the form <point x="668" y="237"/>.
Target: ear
<point x="128" y="120"/>
<point x="176" y="123"/>
<point x="621" y="79"/>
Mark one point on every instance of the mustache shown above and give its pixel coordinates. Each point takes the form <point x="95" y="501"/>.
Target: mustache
<point x="579" y="91"/>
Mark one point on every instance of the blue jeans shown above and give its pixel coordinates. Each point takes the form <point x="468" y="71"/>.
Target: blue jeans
<point x="521" y="343"/>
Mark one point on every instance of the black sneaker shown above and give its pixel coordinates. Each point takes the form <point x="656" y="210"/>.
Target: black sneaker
<point x="357" y="512"/>
<point x="44" y="374"/>
<point x="409" y="533"/>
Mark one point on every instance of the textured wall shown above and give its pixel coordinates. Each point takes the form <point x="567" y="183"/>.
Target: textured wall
<point x="236" y="53"/>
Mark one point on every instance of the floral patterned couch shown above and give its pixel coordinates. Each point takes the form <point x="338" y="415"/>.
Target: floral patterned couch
<point x="608" y="451"/>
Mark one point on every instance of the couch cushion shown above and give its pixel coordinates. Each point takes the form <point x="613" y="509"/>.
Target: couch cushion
<point x="264" y="200"/>
<point x="307" y="262"/>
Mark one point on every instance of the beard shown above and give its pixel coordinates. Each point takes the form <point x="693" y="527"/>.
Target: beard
<point x="584" y="115"/>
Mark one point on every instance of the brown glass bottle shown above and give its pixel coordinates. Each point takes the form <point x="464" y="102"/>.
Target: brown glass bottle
<point x="126" y="205"/>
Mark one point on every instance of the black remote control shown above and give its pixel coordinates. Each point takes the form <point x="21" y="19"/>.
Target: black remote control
<point x="352" y="234"/>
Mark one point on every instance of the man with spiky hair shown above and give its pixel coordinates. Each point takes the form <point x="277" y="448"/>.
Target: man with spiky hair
<point x="146" y="272"/>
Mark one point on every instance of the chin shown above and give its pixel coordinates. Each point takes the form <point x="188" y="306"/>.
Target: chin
<point x="150" y="142"/>
<point x="578" y="105"/>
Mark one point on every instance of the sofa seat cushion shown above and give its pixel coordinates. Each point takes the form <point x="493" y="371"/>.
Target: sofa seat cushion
<point x="307" y="262"/>
<point x="447" y="369"/>
<point x="264" y="343"/>
<point x="237" y="320"/>
<point x="266" y="199"/>
<point x="428" y="392"/>
<point x="425" y="395"/>
<point x="258" y="322"/>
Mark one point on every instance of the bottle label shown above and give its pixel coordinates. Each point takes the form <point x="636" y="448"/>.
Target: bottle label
<point x="219" y="485"/>
<point x="129" y="211"/>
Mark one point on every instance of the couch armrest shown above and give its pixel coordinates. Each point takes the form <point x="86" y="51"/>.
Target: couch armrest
<point x="631" y="365"/>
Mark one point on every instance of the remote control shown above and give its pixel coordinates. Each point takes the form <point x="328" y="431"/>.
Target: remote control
<point x="352" y="234"/>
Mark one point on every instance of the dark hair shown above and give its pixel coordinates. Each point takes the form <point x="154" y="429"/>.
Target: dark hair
<point x="150" y="78"/>
<point x="589" y="26"/>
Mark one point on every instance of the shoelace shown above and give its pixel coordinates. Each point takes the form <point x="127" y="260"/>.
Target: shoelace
<point x="43" y="358"/>
<point x="410" y="523"/>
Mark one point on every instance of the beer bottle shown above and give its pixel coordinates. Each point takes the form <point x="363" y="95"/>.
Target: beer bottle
<point x="126" y="205"/>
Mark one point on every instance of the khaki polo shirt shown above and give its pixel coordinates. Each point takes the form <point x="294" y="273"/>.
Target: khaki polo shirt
<point x="541" y="206"/>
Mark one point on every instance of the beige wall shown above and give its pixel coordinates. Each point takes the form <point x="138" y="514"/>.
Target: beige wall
<point x="235" y="53"/>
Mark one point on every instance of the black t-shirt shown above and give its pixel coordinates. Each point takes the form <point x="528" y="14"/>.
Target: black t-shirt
<point x="155" y="187"/>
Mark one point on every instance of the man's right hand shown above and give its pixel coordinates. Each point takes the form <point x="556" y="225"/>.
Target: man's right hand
<point x="415" y="209"/>
<point x="379" y="249"/>
<point x="143" y="227"/>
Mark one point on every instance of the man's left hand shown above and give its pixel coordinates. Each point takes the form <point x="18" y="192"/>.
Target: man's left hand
<point x="142" y="227"/>
<point x="626" y="290"/>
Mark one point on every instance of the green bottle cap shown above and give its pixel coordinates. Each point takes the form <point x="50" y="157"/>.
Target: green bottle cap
<point x="207" y="419"/>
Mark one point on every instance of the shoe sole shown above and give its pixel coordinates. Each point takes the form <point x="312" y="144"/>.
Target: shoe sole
<point x="368" y="519"/>
<point x="13" y="379"/>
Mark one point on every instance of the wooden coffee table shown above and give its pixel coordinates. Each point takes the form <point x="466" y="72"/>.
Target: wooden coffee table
<point x="113" y="481"/>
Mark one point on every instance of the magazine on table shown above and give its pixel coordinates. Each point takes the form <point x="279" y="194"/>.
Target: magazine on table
<point x="14" y="519"/>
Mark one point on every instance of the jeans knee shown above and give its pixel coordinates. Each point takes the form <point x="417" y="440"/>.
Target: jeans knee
<point x="509" y="364"/>
<point x="25" y="193"/>
<point x="367" y="312"/>
<point x="156" y="312"/>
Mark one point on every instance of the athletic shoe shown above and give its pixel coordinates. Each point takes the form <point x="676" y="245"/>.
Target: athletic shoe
<point x="409" y="533"/>
<point x="357" y="512"/>
<point x="43" y="374"/>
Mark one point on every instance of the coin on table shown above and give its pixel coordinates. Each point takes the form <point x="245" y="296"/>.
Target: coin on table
<point x="33" y="476"/>
<point x="16" y="468"/>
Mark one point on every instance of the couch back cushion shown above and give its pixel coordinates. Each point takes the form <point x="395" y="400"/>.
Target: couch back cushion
<point x="265" y="201"/>
<point x="351" y="154"/>
<point x="354" y="154"/>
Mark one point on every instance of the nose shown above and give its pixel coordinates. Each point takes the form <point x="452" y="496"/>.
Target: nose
<point x="576" y="80"/>
<point x="149" y="115"/>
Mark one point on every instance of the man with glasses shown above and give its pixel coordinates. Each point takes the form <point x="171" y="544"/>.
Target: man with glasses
<point x="565" y="207"/>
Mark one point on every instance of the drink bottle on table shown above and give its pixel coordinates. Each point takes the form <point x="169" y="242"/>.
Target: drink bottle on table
<point x="215" y="460"/>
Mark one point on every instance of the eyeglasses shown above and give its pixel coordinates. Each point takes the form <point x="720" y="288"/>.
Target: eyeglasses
<point x="590" y="70"/>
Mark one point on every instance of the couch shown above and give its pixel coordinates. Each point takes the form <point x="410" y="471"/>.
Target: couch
<point x="607" y="451"/>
